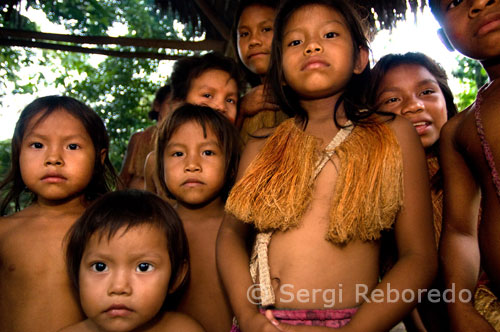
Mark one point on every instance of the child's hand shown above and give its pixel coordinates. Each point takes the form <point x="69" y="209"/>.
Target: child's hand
<point x="469" y="320"/>
<point x="255" y="101"/>
<point x="259" y="323"/>
<point x="289" y="328"/>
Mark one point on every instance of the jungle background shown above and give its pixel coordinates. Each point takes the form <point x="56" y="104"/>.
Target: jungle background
<point x="121" y="89"/>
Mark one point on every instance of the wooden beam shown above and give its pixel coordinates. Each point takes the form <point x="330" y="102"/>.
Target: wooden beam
<point x="80" y="49"/>
<point x="212" y="16"/>
<point x="122" y="41"/>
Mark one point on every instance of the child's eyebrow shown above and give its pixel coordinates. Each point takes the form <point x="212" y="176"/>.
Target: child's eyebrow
<point x="395" y="88"/>
<point x="258" y="24"/>
<point x="209" y="142"/>
<point x="327" y="22"/>
<point x="33" y="134"/>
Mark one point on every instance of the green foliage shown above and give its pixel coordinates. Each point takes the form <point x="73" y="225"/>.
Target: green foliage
<point x="120" y="90"/>
<point x="472" y="76"/>
<point x="4" y="158"/>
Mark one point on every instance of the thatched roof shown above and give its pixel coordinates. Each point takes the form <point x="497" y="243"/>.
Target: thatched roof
<point x="216" y="16"/>
<point x="213" y="16"/>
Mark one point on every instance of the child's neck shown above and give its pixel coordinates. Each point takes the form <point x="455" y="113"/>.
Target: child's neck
<point x="211" y="209"/>
<point x="322" y="109"/>
<point x="492" y="67"/>
<point x="74" y="205"/>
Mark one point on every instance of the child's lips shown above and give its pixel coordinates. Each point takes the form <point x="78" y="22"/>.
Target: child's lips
<point x="118" y="310"/>
<point x="314" y="63"/>
<point x="53" y="178"/>
<point x="421" y="126"/>
<point x="489" y="23"/>
<point x="192" y="183"/>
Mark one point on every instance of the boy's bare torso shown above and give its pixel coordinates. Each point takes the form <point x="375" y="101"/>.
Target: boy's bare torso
<point x="204" y="299"/>
<point x="36" y="293"/>
<point x="468" y="144"/>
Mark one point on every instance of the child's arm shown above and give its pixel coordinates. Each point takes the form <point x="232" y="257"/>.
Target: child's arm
<point x="125" y="175"/>
<point x="459" y="247"/>
<point x="417" y="259"/>
<point x="233" y="260"/>
<point x="253" y="102"/>
<point x="149" y="172"/>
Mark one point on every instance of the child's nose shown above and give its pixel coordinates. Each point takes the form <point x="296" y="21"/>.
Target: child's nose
<point x="478" y="5"/>
<point x="413" y="105"/>
<point x="313" y="47"/>
<point x="119" y="284"/>
<point x="192" y="164"/>
<point x="53" y="158"/>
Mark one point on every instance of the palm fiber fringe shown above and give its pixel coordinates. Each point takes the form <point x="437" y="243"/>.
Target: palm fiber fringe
<point x="277" y="187"/>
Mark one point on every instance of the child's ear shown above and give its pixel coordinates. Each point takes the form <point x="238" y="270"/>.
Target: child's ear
<point x="444" y="39"/>
<point x="180" y="278"/>
<point x="361" y="61"/>
<point x="103" y="154"/>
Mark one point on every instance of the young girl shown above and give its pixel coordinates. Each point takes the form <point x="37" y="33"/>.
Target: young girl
<point x="416" y="87"/>
<point x="321" y="189"/>
<point x="60" y="157"/>
<point x="198" y="153"/>
<point x="253" y="33"/>
<point x="128" y="259"/>
<point x="210" y="80"/>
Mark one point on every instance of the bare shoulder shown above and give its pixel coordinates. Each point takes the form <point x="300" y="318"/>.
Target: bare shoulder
<point x="253" y="147"/>
<point x="405" y="133"/>
<point x="82" y="326"/>
<point x="176" y="321"/>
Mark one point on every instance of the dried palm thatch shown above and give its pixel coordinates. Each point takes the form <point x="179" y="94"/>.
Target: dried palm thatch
<point x="216" y="16"/>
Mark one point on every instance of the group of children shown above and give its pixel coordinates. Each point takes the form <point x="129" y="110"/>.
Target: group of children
<point x="335" y="204"/>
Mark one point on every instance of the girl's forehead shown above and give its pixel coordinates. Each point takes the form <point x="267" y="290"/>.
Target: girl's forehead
<point x="315" y="11"/>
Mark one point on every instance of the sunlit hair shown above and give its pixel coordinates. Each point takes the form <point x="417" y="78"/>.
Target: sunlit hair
<point x="161" y="95"/>
<point x="189" y="68"/>
<point x="390" y="61"/>
<point x="122" y="211"/>
<point x="252" y="78"/>
<point x="355" y="90"/>
<point x="103" y="176"/>
<point x="209" y="119"/>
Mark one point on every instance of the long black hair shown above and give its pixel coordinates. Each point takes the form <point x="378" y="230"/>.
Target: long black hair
<point x="354" y="99"/>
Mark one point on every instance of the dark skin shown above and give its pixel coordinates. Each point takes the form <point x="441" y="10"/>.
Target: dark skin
<point x="465" y="248"/>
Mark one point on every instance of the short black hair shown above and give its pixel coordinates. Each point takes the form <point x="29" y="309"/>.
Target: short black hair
<point x="161" y="95"/>
<point x="187" y="69"/>
<point x="128" y="209"/>
<point x="227" y="137"/>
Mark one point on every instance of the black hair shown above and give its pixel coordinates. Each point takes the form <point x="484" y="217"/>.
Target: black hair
<point x="189" y="68"/>
<point x="161" y="95"/>
<point x="227" y="137"/>
<point x="252" y="78"/>
<point x="103" y="177"/>
<point x="390" y="61"/>
<point x="354" y="98"/>
<point x="129" y="209"/>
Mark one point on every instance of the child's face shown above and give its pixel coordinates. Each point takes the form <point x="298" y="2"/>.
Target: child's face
<point x="57" y="156"/>
<point x="318" y="53"/>
<point x="472" y="26"/>
<point x="194" y="165"/>
<point x="216" y="89"/>
<point x="124" y="281"/>
<point x="255" y="34"/>
<point x="412" y="91"/>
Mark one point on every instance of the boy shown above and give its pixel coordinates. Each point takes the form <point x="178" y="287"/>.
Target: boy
<point x="470" y="148"/>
